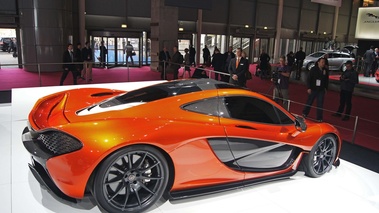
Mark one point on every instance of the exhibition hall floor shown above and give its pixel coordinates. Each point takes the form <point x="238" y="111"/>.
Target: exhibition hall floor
<point x="349" y="188"/>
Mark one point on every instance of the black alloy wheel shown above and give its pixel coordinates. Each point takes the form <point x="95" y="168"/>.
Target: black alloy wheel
<point x="131" y="179"/>
<point x="322" y="156"/>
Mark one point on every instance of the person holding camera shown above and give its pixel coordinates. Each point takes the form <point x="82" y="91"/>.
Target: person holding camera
<point x="348" y="79"/>
<point x="317" y="84"/>
<point x="281" y="77"/>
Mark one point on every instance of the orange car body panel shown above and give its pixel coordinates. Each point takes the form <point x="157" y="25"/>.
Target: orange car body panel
<point x="162" y="124"/>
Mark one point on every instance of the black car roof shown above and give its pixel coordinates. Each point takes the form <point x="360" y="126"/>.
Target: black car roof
<point x="203" y="84"/>
<point x="167" y="89"/>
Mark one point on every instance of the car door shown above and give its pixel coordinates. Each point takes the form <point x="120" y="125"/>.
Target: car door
<point x="258" y="134"/>
<point x="333" y="61"/>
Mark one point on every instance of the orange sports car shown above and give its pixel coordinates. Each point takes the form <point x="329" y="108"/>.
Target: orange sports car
<point x="169" y="141"/>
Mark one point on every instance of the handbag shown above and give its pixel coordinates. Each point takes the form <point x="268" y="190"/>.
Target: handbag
<point x="133" y="53"/>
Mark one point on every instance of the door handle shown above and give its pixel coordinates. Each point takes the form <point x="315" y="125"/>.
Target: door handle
<point x="245" y="127"/>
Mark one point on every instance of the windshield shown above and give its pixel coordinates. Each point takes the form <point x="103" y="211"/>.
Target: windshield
<point x="151" y="93"/>
<point x="317" y="54"/>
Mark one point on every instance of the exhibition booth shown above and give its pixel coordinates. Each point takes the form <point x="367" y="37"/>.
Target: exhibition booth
<point x="348" y="188"/>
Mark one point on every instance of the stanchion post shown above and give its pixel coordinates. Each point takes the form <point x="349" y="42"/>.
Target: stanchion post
<point x="164" y="70"/>
<point x="127" y="66"/>
<point x="39" y="74"/>
<point x="355" y="129"/>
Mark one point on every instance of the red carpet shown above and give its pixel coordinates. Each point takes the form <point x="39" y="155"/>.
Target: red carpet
<point x="365" y="108"/>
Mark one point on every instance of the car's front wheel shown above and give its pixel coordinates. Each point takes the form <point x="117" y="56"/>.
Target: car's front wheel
<point x="322" y="156"/>
<point x="131" y="179"/>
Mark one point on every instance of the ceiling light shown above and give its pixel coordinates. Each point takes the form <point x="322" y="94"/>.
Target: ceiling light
<point x="265" y="28"/>
<point x="124" y="26"/>
<point x="311" y="31"/>
<point x="246" y="26"/>
<point x="181" y="29"/>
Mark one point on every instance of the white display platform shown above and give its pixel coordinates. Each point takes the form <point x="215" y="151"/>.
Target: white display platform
<point x="349" y="188"/>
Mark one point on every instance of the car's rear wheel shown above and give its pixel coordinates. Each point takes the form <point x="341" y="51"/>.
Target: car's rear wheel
<point x="322" y="156"/>
<point x="131" y="179"/>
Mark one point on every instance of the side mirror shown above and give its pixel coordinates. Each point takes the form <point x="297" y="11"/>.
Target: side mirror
<point x="300" y="124"/>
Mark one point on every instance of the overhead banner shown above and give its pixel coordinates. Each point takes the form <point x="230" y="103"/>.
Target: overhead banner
<point x="336" y="3"/>
<point x="367" y="23"/>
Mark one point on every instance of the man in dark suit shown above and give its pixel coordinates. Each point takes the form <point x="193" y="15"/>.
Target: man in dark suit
<point x="237" y="69"/>
<point x="217" y="63"/>
<point x="78" y="58"/>
<point x="164" y="58"/>
<point x="68" y="66"/>
<point x="88" y="61"/>
<point x="176" y="61"/>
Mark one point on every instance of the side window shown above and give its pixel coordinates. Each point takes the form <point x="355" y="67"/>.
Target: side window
<point x="284" y="119"/>
<point x="206" y="106"/>
<point x="252" y="109"/>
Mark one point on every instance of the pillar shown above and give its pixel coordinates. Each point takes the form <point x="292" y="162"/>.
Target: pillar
<point x="46" y="27"/>
<point x="164" y="30"/>
<point x="335" y="22"/>
<point x="199" y="31"/>
<point x="278" y="31"/>
<point x="82" y="21"/>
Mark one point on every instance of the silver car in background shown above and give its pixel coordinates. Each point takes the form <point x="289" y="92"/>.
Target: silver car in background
<point x="336" y="59"/>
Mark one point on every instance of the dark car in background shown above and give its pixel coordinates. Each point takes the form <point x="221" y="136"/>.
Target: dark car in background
<point x="5" y="43"/>
<point x="336" y="59"/>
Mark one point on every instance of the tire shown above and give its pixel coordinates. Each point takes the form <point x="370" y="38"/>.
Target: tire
<point x="310" y="65"/>
<point x="321" y="158"/>
<point x="131" y="179"/>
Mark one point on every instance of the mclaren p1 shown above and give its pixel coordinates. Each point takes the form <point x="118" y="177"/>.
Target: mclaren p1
<point x="171" y="140"/>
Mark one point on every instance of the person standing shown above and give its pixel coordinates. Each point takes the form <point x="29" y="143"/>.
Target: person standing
<point x="281" y="82"/>
<point x="68" y="65"/>
<point x="369" y="58"/>
<point x="317" y="84"/>
<point x="217" y="63"/>
<point x="299" y="56"/>
<point x="11" y="45"/>
<point x="228" y="56"/>
<point x="103" y="54"/>
<point x="192" y="54"/>
<point x="348" y="80"/>
<point x="264" y="63"/>
<point x="291" y="60"/>
<point x="88" y="62"/>
<point x="187" y="63"/>
<point x="177" y="60"/>
<point x="237" y="69"/>
<point x="164" y="58"/>
<point x="78" y="58"/>
<point x="206" y="55"/>
<point x="129" y="52"/>
<point x="376" y="62"/>
<point x="14" y="48"/>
